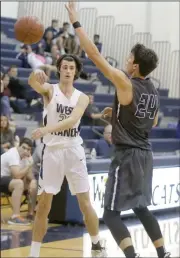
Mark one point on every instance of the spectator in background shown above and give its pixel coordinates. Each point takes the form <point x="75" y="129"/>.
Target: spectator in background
<point x="47" y="41"/>
<point x="37" y="61"/>
<point x="7" y="136"/>
<point x="16" y="177"/>
<point x="104" y="146"/>
<point x="5" y="103"/>
<point x="17" y="88"/>
<point x="37" y="154"/>
<point x="6" y="79"/>
<point x="54" y="28"/>
<point x="97" y="43"/>
<point x="92" y="115"/>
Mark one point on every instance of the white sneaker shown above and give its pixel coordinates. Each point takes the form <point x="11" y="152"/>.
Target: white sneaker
<point x="99" y="249"/>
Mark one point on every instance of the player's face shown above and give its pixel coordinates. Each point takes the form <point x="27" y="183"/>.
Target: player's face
<point x="67" y="71"/>
<point x="4" y="122"/>
<point x="13" y="72"/>
<point x="130" y="67"/>
<point x="107" y="134"/>
<point x="25" y="151"/>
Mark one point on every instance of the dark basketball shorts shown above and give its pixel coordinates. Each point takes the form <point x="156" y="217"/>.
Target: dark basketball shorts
<point x="129" y="183"/>
<point x="4" y="185"/>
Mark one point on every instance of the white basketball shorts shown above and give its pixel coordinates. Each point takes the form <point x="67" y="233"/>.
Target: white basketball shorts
<point x="58" y="163"/>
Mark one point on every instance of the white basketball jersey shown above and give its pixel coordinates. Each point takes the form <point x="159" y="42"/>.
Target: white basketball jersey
<point x="60" y="108"/>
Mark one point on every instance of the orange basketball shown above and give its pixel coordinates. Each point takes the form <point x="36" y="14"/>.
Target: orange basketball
<point x="28" y="30"/>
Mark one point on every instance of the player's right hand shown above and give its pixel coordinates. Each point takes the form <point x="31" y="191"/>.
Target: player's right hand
<point x="107" y="112"/>
<point x="40" y="76"/>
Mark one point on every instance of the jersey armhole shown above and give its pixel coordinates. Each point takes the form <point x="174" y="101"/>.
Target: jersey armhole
<point x="50" y="100"/>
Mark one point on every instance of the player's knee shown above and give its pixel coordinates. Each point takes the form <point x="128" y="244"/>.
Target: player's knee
<point x="109" y="216"/>
<point x="44" y="205"/>
<point x="33" y="186"/>
<point x="17" y="184"/>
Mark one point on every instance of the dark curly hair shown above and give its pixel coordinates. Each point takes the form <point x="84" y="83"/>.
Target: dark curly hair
<point x="146" y="58"/>
<point x="70" y="58"/>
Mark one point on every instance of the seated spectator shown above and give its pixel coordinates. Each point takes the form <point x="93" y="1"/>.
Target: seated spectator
<point x="7" y="136"/>
<point x="71" y="45"/>
<point x="6" y="79"/>
<point x="104" y="145"/>
<point x="36" y="61"/>
<point x="5" y="103"/>
<point x="92" y="115"/>
<point x="16" y="177"/>
<point x="37" y="154"/>
<point x="17" y="88"/>
<point x="54" y="28"/>
<point x="96" y="42"/>
<point x="45" y="45"/>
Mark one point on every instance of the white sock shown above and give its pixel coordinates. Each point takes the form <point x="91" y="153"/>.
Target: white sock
<point x="35" y="249"/>
<point x="95" y="239"/>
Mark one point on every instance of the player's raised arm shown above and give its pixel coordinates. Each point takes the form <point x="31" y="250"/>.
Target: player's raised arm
<point x="67" y="123"/>
<point x="117" y="77"/>
<point x="37" y="80"/>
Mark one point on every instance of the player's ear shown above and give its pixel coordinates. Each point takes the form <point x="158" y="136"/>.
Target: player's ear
<point x="135" y="66"/>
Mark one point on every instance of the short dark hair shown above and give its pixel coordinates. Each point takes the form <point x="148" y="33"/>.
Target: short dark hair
<point x="54" y="20"/>
<point x="26" y="141"/>
<point x="146" y="58"/>
<point x="65" y="23"/>
<point x="70" y="58"/>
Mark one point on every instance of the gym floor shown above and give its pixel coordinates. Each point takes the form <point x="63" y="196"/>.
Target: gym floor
<point x="73" y="241"/>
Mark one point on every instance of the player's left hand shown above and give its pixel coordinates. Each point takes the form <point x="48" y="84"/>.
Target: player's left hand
<point x="39" y="133"/>
<point x="71" y="8"/>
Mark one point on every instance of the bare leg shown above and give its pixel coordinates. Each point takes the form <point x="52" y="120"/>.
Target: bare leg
<point x="33" y="196"/>
<point x="90" y="218"/>
<point x="16" y="186"/>
<point x="40" y="223"/>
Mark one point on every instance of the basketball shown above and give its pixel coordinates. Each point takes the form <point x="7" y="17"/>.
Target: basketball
<point x="28" y="30"/>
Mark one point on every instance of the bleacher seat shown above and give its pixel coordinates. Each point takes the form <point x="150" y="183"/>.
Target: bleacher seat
<point x="8" y="46"/>
<point x="20" y="131"/>
<point x="7" y="19"/>
<point x="10" y="61"/>
<point x="163" y="92"/>
<point x="158" y="145"/>
<point x="171" y="111"/>
<point x="88" y="133"/>
<point x="8" y="53"/>
<point x="90" y="69"/>
<point x="163" y="133"/>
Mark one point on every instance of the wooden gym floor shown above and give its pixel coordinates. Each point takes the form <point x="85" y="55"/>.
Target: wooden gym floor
<point x="73" y="241"/>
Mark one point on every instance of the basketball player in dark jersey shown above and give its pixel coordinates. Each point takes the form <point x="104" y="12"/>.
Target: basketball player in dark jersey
<point x="134" y="114"/>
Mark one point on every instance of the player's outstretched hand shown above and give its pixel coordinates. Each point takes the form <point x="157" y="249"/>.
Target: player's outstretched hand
<point x="40" y="76"/>
<point x="71" y="8"/>
<point x="39" y="133"/>
<point x="107" y="112"/>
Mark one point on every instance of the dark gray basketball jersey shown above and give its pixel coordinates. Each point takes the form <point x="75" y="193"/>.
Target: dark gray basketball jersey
<point x="132" y="123"/>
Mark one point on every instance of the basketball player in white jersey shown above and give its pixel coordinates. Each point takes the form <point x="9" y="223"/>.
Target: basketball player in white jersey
<point x="63" y="154"/>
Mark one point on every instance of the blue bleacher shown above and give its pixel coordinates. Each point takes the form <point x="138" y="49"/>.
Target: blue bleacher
<point x="7" y="53"/>
<point x="8" y="46"/>
<point x="10" y="61"/>
<point x="162" y="139"/>
<point x="158" y="145"/>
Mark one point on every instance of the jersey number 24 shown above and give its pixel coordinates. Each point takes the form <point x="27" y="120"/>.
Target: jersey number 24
<point x="147" y="106"/>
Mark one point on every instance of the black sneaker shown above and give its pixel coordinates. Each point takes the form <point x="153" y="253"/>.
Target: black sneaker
<point x="99" y="250"/>
<point x="167" y="255"/>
